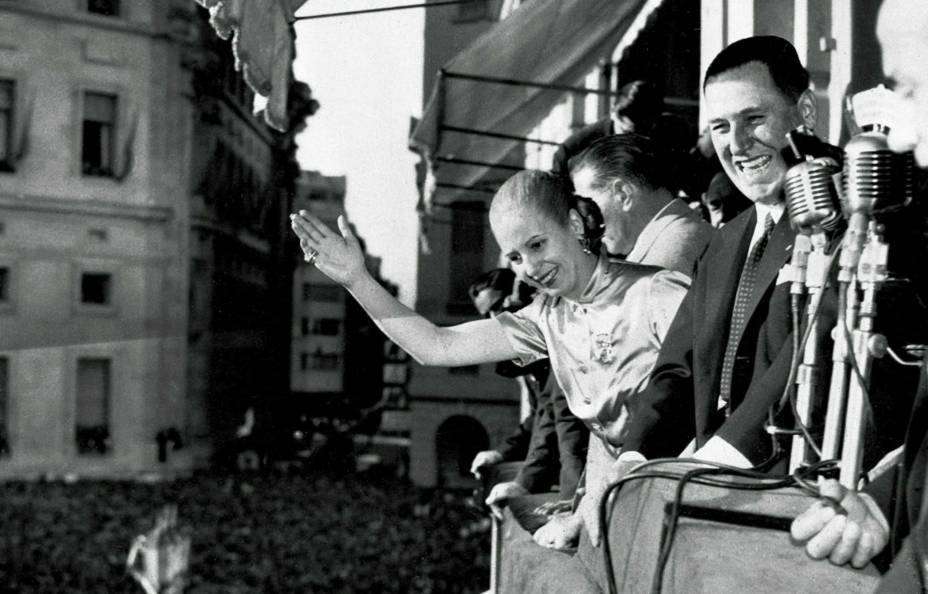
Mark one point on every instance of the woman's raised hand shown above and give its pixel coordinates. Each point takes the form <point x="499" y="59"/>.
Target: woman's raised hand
<point x="338" y="257"/>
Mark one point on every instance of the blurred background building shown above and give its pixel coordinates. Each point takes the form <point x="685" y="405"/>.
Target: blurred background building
<point x="142" y="227"/>
<point x="337" y="353"/>
<point x="455" y="412"/>
<point x="318" y="351"/>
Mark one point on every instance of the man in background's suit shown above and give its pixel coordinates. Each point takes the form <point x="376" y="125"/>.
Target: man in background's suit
<point x="626" y="176"/>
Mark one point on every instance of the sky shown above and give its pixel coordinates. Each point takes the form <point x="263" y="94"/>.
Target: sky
<point x="366" y="72"/>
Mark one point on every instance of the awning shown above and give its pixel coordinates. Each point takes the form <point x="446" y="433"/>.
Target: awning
<point x="549" y="42"/>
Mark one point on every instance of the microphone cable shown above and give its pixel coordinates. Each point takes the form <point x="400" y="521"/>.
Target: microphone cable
<point x="757" y="481"/>
<point x="799" y="342"/>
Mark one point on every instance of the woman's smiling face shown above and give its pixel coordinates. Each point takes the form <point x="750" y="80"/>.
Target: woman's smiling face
<point x="544" y="251"/>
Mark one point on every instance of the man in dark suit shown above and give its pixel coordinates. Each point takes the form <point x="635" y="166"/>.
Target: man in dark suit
<point x="892" y="509"/>
<point x="726" y="357"/>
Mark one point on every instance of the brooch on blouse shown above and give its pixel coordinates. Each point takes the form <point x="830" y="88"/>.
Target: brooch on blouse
<point x="605" y="352"/>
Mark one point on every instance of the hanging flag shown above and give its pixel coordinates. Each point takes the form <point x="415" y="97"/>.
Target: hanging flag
<point x="263" y="44"/>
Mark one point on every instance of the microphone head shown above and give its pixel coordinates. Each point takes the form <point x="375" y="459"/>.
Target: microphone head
<point x="811" y="197"/>
<point x="875" y="178"/>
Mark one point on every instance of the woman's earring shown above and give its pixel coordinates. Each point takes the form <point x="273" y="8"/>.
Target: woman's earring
<point x="585" y="243"/>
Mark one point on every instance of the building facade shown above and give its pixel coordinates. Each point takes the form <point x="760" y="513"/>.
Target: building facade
<point x="318" y="327"/>
<point x="455" y="412"/>
<point x="337" y="352"/>
<point x="138" y="222"/>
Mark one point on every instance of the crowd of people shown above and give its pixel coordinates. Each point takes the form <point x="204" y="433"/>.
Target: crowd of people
<point x="676" y="336"/>
<point x="272" y="533"/>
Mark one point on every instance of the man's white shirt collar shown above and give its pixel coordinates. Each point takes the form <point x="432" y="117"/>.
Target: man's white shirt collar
<point x="774" y="210"/>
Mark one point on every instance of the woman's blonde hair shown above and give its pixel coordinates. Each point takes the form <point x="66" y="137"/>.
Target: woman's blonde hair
<point x="549" y="194"/>
<point x="553" y="196"/>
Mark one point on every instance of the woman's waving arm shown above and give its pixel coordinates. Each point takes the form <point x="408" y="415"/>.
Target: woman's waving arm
<point x="340" y="258"/>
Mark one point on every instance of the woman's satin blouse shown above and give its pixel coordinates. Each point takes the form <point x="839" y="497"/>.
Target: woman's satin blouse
<point x="603" y="346"/>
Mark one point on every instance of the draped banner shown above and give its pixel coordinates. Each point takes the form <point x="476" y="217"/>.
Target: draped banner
<point x="262" y="40"/>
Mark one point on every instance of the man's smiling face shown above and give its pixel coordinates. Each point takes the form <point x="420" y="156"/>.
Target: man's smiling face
<point x="749" y="117"/>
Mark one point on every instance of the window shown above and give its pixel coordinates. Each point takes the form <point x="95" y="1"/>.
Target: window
<point x="321" y="292"/>
<point x="467" y="240"/>
<point x="325" y="361"/>
<point x="327" y="326"/>
<point x="104" y="7"/>
<point x="304" y="326"/>
<point x="4" y="406"/>
<point x="304" y="361"/>
<point x="7" y="93"/>
<point x="98" y="134"/>
<point x="4" y="285"/>
<point x="96" y="288"/>
<point x="92" y="431"/>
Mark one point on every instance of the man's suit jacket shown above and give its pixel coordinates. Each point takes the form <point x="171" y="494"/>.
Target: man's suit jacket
<point x="681" y="401"/>
<point x="516" y="445"/>
<point x="558" y="447"/>
<point x="674" y="239"/>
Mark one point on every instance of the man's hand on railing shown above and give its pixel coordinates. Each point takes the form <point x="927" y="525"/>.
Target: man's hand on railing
<point x="842" y="526"/>
<point x="501" y="493"/>
<point x="561" y="532"/>
<point x="484" y="458"/>
<point x="552" y="508"/>
<point x="589" y="507"/>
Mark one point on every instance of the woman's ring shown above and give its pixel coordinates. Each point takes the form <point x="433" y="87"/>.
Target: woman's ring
<point x="311" y="257"/>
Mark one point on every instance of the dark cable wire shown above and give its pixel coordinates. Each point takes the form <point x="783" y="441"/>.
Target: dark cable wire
<point x="759" y="482"/>
<point x="672" y="522"/>
<point x="755" y="481"/>
<point x="788" y="396"/>
<point x="855" y="366"/>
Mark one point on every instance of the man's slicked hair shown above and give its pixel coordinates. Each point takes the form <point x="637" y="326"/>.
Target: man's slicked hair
<point x="630" y="157"/>
<point x="776" y="53"/>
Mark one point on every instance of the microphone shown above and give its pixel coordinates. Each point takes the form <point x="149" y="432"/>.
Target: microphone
<point x="811" y="200"/>
<point x="876" y="181"/>
<point x="875" y="178"/>
<point x="811" y="196"/>
<point x="813" y="209"/>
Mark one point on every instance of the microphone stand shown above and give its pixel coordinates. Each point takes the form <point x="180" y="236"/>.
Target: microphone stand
<point x="811" y="201"/>
<point x="854" y="239"/>
<point x="807" y="374"/>
<point x="867" y="345"/>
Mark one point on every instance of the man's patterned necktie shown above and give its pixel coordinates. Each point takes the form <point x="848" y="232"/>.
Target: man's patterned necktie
<point x="740" y="309"/>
